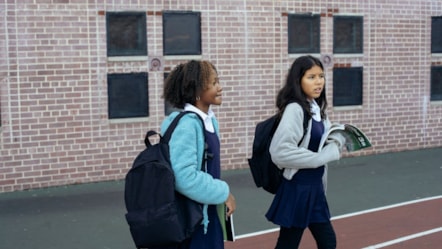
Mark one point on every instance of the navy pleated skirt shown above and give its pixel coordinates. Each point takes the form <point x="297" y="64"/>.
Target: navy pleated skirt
<point x="300" y="201"/>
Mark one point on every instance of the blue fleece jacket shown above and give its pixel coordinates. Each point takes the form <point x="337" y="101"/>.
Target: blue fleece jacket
<point x="186" y="152"/>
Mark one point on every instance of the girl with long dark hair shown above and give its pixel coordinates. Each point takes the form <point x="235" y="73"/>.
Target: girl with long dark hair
<point x="300" y="201"/>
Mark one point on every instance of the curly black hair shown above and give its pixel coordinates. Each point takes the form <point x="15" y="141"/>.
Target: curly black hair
<point x="186" y="82"/>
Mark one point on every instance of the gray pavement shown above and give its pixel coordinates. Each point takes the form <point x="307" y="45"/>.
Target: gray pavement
<point x="92" y="215"/>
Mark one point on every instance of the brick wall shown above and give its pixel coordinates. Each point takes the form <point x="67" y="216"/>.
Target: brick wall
<point x="53" y="69"/>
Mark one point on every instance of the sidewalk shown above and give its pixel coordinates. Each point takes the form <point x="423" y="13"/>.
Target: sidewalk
<point x="92" y="215"/>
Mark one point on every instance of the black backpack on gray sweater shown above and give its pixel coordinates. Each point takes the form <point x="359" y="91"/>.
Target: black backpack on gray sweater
<point x="265" y="173"/>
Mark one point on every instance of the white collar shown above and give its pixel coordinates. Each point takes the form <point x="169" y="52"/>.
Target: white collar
<point x="203" y="115"/>
<point x="206" y="117"/>
<point x="316" y="111"/>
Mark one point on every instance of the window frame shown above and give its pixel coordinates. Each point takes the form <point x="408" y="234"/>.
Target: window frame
<point x="436" y="96"/>
<point x="356" y="21"/>
<point x="119" y="107"/>
<point x="195" y="45"/>
<point x="352" y="99"/>
<point x="314" y="21"/>
<point x="140" y="48"/>
<point x="436" y="37"/>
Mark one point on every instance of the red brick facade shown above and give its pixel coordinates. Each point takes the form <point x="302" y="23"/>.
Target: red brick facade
<point x="53" y="89"/>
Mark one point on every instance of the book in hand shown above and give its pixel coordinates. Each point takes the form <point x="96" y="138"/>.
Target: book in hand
<point x="226" y="223"/>
<point x="230" y="229"/>
<point x="355" y="139"/>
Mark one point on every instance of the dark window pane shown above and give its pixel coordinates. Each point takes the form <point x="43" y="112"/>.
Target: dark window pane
<point x="128" y="95"/>
<point x="181" y="33"/>
<point x="347" y="34"/>
<point x="347" y="86"/>
<point x="436" y="83"/>
<point x="436" y="34"/>
<point x="303" y="33"/>
<point x="126" y="34"/>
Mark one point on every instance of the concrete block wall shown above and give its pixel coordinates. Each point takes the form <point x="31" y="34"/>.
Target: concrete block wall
<point x="53" y="80"/>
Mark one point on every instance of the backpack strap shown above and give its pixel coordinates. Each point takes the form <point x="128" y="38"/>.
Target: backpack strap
<point x="168" y="134"/>
<point x="305" y="125"/>
<point x="166" y="137"/>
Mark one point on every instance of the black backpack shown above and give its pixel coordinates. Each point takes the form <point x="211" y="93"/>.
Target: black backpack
<point x="157" y="214"/>
<point x="265" y="173"/>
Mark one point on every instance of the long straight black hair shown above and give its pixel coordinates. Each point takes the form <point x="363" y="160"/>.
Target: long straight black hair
<point x="292" y="90"/>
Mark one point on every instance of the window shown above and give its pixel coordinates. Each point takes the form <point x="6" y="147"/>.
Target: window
<point x="347" y="86"/>
<point x="181" y="33"/>
<point x="304" y="33"/>
<point x="436" y="34"/>
<point x="126" y="34"/>
<point x="347" y="35"/>
<point x="128" y="95"/>
<point x="436" y="83"/>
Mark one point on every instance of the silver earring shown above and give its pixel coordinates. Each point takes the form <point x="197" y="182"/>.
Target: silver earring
<point x="198" y="98"/>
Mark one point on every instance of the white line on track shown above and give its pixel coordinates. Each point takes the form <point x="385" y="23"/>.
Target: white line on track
<point x="354" y="214"/>
<point x="386" y="207"/>
<point x="405" y="238"/>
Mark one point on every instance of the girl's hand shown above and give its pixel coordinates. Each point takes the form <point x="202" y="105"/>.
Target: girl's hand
<point x="230" y="204"/>
<point x="338" y="138"/>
